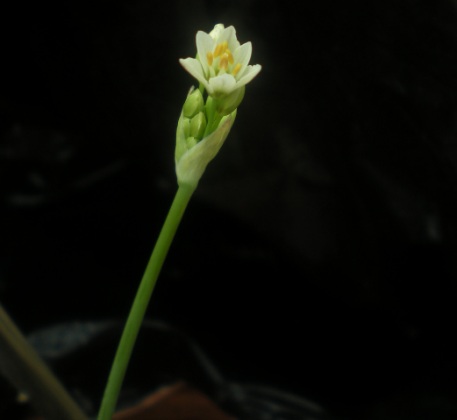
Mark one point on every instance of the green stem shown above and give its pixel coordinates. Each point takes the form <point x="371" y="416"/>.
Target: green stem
<point x="141" y="301"/>
<point x="20" y="363"/>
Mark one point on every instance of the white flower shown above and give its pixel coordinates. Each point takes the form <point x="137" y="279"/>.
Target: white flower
<point x="222" y="64"/>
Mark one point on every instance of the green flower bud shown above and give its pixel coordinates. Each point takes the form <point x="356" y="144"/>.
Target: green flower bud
<point x="191" y="142"/>
<point x="229" y="103"/>
<point x="194" y="104"/>
<point x="191" y="163"/>
<point x="197" y="126"/>
<point x="186" y="127"/>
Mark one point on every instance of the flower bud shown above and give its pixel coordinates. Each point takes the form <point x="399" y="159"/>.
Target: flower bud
<point x="229" y="103"/>
<point x="197" y="126"/>
<point x="191" y="142"/>
<point x="190" y="163"/>
<point x="186" y="126"/>
<point x="194" y="104"/>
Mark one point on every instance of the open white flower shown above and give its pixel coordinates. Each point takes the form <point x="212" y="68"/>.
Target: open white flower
<point x="222" y="64"/>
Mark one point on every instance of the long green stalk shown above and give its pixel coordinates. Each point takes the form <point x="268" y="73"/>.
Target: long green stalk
<point x="23" y="367"/>
<point x="141" y="302"/>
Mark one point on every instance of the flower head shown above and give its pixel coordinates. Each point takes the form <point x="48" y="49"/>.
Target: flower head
<point x="222" y="64"/>
<point x="223" y="70"/>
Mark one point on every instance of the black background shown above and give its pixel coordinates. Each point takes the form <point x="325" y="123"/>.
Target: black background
<point x="318" y="253"/>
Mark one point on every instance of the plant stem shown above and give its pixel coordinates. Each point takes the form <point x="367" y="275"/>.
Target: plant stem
<point x="141" y="301"/>
<point x="23" y="367"/>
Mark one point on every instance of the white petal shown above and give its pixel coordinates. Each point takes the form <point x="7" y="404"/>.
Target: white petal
<point x="204" y="44"/>
<point x="223" y="84"/>
<point x="216" y="31"/>
<point x="242" y="55"/>
<point x="249" y="74"/>
<point x="194" y="67"/>
<point x="229" y="35"/>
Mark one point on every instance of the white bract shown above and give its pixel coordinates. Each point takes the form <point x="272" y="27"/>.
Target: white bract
<point x="222" y="64"/>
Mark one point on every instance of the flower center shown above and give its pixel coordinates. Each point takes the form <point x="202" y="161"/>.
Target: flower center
<point x="222" y="59"/>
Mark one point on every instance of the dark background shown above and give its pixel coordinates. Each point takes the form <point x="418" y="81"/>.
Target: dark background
<point x="318" y="254"/>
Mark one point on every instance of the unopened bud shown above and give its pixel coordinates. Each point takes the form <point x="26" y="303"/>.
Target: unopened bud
<point x="229" y="103"/>
<point x="197" y="126"/>
<point x="191" y="142"/>
<point x="191" y="162"/>
<point x="186" y="126"/>
<point x="193" y="105"/>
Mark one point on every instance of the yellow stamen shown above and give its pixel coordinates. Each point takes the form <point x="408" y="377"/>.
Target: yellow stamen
<point x="220" y="48"/>
<point x="223" y="63"/>
<point x="236" y="69"/>
<point x="229" y="55"/>
<point x="209" y="57"/>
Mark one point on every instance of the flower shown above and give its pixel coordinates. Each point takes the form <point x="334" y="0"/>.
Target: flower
<point x="222" y="64"/>
<point x="223" y="70"/>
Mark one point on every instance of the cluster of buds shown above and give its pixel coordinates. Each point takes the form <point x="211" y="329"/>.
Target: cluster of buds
<point x="194" y="118"/>
<point x="222" y="70"/>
